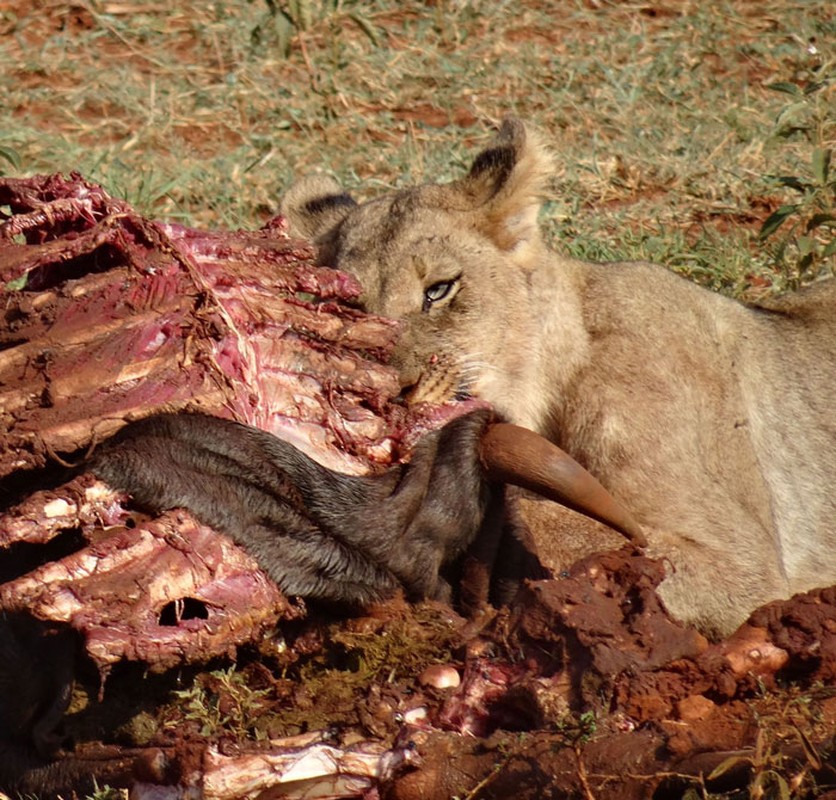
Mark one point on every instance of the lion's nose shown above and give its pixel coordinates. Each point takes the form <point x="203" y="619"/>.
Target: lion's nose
<point x="409" y="376"/>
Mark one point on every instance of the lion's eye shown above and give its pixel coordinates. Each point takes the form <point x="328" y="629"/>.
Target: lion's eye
<point x="438" y="291"/>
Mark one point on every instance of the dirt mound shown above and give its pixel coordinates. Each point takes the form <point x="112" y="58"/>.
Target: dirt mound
<point x="584" y="688"/>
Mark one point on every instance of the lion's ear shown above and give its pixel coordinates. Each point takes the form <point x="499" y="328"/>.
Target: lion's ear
<point x="314" y="205"/>
<point x="506" y="186"/>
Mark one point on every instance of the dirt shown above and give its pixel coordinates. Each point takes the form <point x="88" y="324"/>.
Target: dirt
<point x="668" y="708"/>
<point x="583" y="687"/>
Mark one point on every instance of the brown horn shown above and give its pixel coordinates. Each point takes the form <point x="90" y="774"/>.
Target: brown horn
<point x="515" y="455"/>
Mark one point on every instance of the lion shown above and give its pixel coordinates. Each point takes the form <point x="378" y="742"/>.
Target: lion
<point x="714" y="421"/>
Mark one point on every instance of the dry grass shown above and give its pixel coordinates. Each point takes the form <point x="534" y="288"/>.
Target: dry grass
<point x="659" y="111"/>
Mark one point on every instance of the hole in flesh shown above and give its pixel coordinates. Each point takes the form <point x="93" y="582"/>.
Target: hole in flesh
<point x="184" y="608"/>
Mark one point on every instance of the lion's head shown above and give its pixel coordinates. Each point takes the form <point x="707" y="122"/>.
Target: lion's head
<point x="456" y="263"/>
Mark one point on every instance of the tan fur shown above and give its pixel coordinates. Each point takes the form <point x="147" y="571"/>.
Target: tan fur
<point x="715" y="422"/>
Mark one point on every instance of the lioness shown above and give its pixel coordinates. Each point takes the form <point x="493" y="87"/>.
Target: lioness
<point x="715" y="422"/>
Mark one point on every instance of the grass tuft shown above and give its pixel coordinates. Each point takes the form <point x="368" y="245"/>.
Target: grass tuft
<point x="666" y="118"/>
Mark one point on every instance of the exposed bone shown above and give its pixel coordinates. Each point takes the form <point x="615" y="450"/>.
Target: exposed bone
<point x="154" y="316"/>
<point x="317" y="770"/>
<point x="87" y="503"/>
<point x="515" y="455"/>
<point x="114" y="590"/>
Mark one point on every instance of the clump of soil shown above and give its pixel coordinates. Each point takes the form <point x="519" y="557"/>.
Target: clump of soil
<point x="583" y="687"/>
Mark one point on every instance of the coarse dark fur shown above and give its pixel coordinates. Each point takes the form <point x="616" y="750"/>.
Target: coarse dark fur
<point x="316" y="533"/>
<point x="36" y="678"/>
<point x="33" y="699"/>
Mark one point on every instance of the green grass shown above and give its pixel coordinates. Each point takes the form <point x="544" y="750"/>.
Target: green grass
<point x="660" y="113"/>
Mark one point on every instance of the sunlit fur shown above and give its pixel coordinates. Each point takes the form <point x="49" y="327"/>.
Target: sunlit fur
<point x="714" y="421"/>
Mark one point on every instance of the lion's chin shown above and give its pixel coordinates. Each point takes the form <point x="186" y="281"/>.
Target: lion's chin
<point x="434" y="388"/>
<point x="435" y="400"/>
